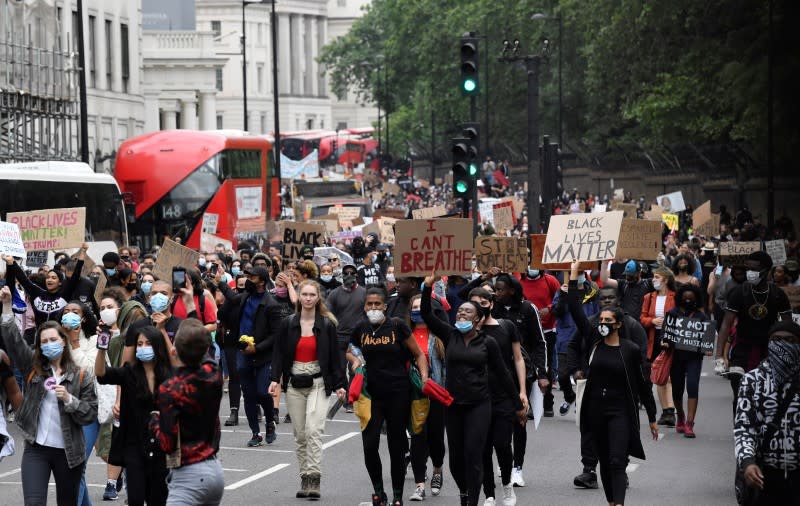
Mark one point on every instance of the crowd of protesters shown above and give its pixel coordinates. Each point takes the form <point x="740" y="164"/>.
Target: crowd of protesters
<point x="110" y="373"/>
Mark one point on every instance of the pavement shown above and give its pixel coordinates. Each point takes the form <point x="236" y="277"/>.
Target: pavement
<point x="678" y="471"/>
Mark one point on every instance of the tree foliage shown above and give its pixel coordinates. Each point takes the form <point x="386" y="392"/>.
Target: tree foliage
<point x="633" y="71"/>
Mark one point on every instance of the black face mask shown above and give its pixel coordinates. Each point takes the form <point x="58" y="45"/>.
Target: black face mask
<point x="487" y="311"/>
<point x="690" y="305"/>
<point x="349" y="280"/>
<point x="130" y="287"/>
<point x="250" y="287"/>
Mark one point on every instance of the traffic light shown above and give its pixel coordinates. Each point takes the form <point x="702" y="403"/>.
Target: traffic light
<point x="469" y="64"/>
<point x="465" y="161"/>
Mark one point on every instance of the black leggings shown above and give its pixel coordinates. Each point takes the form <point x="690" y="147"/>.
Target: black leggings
<point x="37" y="463"/>
<point x="611" y="432"/>
<point x="395" y="411"/>
<point x="429" y="442"/>
<point x="499" y="439"/>
<point x="467" y="429"/>
<point x="564" y="378"/>
<point x="520" y="434"/>
<point x="550" y="339"/>
<point x="146" y="478"/>
<point x="234" y="388"/>
<point x="685" y="371"/>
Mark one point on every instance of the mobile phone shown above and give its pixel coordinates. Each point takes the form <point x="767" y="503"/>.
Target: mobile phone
<point x="178" y="279"/>
<point x="214" y="268"/>
<point x="719" y="270"/>
<point x="103" y="337"/>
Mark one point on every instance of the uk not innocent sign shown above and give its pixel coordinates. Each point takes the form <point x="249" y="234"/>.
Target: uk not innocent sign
<point x="583" y="237"/>
<point x="689" y="334"/>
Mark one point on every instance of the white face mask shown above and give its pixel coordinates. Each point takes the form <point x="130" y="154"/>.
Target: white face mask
<point x="753" y="277"/>
<point x="375" y="316"/>
<point x="109" y="316"/>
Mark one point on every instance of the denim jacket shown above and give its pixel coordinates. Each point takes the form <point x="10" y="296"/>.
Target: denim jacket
<point x="81" y="410"/>
<point x="437" y="372"/>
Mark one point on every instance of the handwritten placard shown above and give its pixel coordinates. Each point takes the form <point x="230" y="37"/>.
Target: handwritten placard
<point x="510" y="254"/>
<point x="503" y="214"/>
<point x="51" y="229"/>
<point x="690" y="334"/>
<point x="397" y="214"/>
<point x="628" y="209"/>
<point x="736" y="252"/>
<point x="586" y="238"/>
<point x="672" y="221"/>
<point x="639" y="239"/>
<point x="296" y="235"/>
<point x="709" y="228"/>
<point x="345" y="213"/>
<point x="36" y="258"/>
<point x="329" y="221"/>
<point x="172" y="255"/>
<point x="701" y="215"/>
<point x="776" y="250"/>
<point x="346" y="236"/>
<point x="443" y="245"/>
<point x="486" y="212"/>
<point x="210" y="222"/>
<point x="11" y="240"/>
<point x="537" y="251"/>
<point x="619" y="194"/>
<point x="428" y="213"/>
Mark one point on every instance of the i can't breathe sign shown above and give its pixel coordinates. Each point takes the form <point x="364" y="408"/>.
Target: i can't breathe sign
<point x="583" y="237"/>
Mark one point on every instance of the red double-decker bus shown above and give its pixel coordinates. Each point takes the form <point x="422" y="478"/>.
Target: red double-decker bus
<point x="176" y="177"/>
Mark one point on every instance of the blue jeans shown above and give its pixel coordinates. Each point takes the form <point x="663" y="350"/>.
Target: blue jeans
<point x="254" y="381"/>
<point x="90" y="433"/>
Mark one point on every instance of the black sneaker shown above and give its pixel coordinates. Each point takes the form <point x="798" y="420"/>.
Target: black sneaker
<point x="564" y="408"/>
<point x="380" y="500"/>
<point x="667" y="418"/>
<point x="256" y="440"/>
<point x="287" y="418"/>
<point x="270" y="435"/>
<point x="548" y="413"/>
<point x="436" y="483"/>
<point x="110" y="493"/>
<point x="233" y="419"/>
<point x="587" y="479"/>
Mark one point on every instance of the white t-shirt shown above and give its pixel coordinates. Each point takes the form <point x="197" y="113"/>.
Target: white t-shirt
<point x="661" y="300"/>
<point x="48" y="433"/>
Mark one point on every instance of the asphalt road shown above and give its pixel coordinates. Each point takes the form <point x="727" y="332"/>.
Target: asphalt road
<point x="678" y="471"/>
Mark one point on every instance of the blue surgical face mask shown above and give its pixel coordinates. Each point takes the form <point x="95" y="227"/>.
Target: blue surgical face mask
<point x="416" y="316"/>
<point x="70" y="321"/>
<point x="581" y="279"/>
<point x="159" y="302"/>
<point x="464" y="326"/>
<point x="145" y="354"/>
<point x="326" y="278"/>
<point x="53" y="349"/>
<point x="533" y="273"/>
<point x="146" y="286"/>
<point x="236" y="270"/>
<point x="110" y="272"/>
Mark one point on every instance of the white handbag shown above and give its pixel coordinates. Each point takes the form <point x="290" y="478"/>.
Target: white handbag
<point x="579" y="388"/>
<point x="106" y="398"/>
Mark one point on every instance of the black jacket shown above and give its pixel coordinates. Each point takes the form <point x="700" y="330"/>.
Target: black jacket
<point x="266" y="323"/>
<point x="580" y="346"/>
<point x="526" y="317"/>
<point x="327" y="352"/>
<point x="228" y="315"/>
<point x="638" y="387"/>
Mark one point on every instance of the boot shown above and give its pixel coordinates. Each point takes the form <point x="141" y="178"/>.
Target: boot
<point x="689" y="430"/>
<point x="667" y="417"/>
<point x="233" y="419"/>
<point x="680" y="426"/>
<point x="313" y="487"/>
<point x="303" y="492"/>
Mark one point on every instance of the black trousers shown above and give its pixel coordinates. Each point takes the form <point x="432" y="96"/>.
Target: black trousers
<point x="499" y="439"/>
<point x="146" y="478"/>
<point x="779" y="489"/>
<point x="467" y="429"/>
<point x="234" y="387"/>
<point x="564" y="378"/>
<point x="428" y="443"/>
<point x="520" y="435"/>
<point x="343" y="342"/>
<point x="550" y="338"/>
<point x="37" y="463"/>
<point x="611" y="432"/>
<point x="395" y="411"/>
<point x="588" y="455"/>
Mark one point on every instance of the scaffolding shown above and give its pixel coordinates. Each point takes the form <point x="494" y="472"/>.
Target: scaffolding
<point x="38" y="91"/>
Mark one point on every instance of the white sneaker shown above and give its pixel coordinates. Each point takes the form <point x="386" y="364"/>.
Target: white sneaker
<point x="516" y="477"/>
<point x="509" y="497"/>
<point x="489" y="501"/>
<point x="719" y="366"/>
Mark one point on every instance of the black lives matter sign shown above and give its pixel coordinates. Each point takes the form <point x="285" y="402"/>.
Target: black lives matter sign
<point x="689" y="334"/>
<point x="583" y="237"/>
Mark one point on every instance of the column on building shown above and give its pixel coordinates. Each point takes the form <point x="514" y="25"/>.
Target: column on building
<point x="189" y="113"/>
<point x="322" y="36"/>
<point x="298" y="62"/>
<point x="311" y="56"/>
<point x="151" y="120"/>
<point x="284" y="54"/>
<point x="208" y="110"/>
<point x="169" y="115"/>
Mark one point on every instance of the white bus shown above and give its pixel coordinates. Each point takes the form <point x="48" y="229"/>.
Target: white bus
<point x="31" y="186"/>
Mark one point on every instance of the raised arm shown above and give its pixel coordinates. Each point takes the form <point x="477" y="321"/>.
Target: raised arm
<point x="604" y="275"/>
<point x="19" y="350"/>
<point x="439" y="328"/>
<point x="71" y="284"/>
<point x="15" y="271"/>
<point x="575" y="309"/>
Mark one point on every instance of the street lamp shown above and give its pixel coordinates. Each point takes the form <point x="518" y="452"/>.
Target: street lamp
<point x="537" y="17"/>
<point x="244" y="58"/>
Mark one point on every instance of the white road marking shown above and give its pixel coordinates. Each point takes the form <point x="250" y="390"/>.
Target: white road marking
<point x="661" y="435"/>
<point x="339" y="439"/>
<point x="52" y="484"/>
<point x="704" y="374"/>
<point x="631" y="468"/>
<point x="256" y="476"/>
<point x="9" y="473"/>
<point x="259" y="449"/>
<point x="229" y="469"/>
<point x="342" y="421"/>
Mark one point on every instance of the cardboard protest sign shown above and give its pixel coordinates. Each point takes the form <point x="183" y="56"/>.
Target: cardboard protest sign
<point x="735" y="252"/>
<point x="346" y="236"/>
<point x="672" y="221"/>
<point x="295" y="235"/>
<point x="503" y="214"/>
<point x="701" y="215"/>
<point x="518" y="204"/>
<point x="599" y="208"/>
<point x="709" y="228"/>
<point x="584" y="238"/>
<point x="793" y="293"/>
<point x="209" y="241"/>
<point x="345" y="213"/>
<point x="690" y="334"/>
<point x="329" y="221"/>
<point x="776" y="250"/>
<point x="398" y="214"/>
<point x="101" y="286"/>
<point x="671" y="202"/>
<point x="36" y="259"/>
<point x="443" y="245"/>
<point x="11" y="240"/>
<point x="428" y="213"/>
<point x="51" y="229"/>
<point x="639" y="239"/>
<point x="628" y="209"/>
<point x="486" y="212"/>
<point x="172" y="255"/>
<point x="384" y="227"/>
<point x="210" y="222"/>
<point x="619" y="193"/>
<point x="537" y="251"/>
<point x="508" y="253"/>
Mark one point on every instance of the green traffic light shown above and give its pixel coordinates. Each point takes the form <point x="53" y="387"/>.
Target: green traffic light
<point x="470" y="85"/>
<point x="473" y="169"/>
<point x="461" y="187"/>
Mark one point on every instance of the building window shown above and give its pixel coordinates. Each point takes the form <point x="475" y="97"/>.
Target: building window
<point x="75" y="21"/>
<point x="109" y="55"/>
<point x="218" y="76"/>
<point x="219" y="121"/>
<point x="309" y="123"/>
<point x="260" y="78"/>
<point x="125" y="55"/>
<point x="92" y="51"/>
<point x="216" y="27"/>
<point x="260" y="34"/>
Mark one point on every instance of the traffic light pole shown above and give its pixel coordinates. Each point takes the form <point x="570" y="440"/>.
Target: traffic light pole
<point x="534" y="172"/>
<point x="473" y="115"/>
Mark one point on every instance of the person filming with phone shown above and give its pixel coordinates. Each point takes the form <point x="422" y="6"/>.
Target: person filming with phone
<point x="161" y="318"/>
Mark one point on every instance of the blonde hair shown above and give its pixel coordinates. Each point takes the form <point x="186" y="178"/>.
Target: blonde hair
<point x="320" y="307"/>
